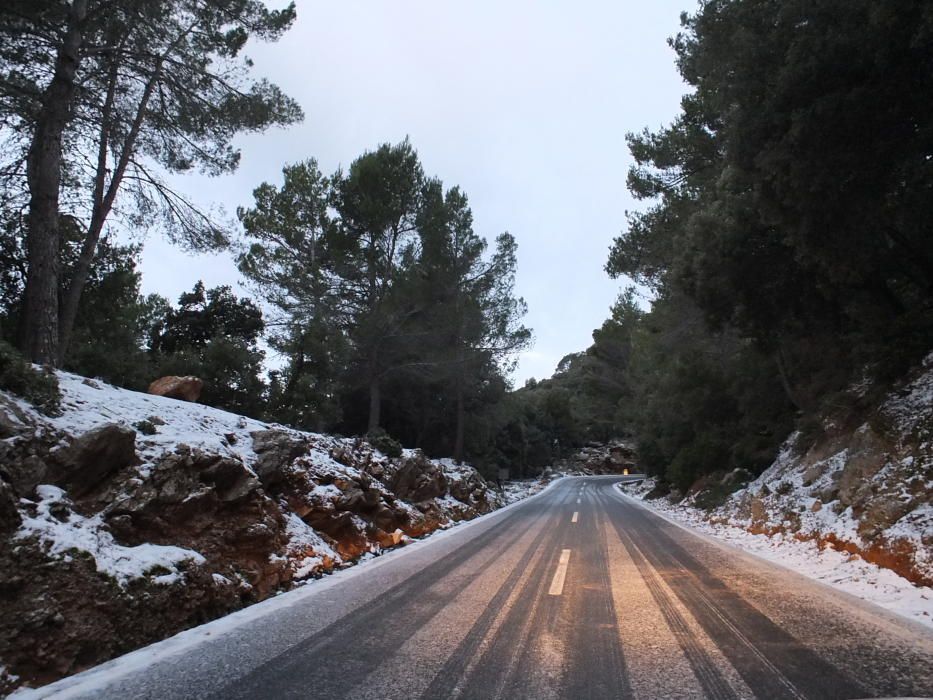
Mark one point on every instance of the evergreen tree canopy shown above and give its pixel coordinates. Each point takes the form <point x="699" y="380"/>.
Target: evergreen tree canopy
<point x="789" y="195"/>
<point x="383" y="297"/>
<point x="212" y="334"/>
<point x="99" y="97"/>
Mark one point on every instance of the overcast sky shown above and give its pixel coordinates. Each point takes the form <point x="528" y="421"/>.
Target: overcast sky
<point x="524" y="104"/>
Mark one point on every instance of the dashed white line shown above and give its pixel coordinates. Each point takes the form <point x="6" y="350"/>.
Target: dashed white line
<point x="576" y="515"/>
<point x="557" y="583"/>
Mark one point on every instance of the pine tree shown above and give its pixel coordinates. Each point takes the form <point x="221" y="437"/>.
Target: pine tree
<point x="378" y="202"/>
<point x="100" y="97"/>
<point x="290" y="264"/>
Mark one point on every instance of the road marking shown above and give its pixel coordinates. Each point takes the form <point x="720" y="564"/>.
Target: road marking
<point x="575" y="516"/>
<point x="557" y="583"/>
<point x="578" y="500"/>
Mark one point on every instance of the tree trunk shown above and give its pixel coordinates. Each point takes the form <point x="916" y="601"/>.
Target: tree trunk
<point x="461" y="420"/>
<point x="375" y="404"/>
<point x="785" y="379"/>
<point x="39" y="323"/>
<point x="295" y="372"/>
<point x="103" y="203"/>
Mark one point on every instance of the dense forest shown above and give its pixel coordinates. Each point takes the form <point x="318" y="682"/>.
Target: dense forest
<point x="785" y="245"/>
<point x="779" y="256"/>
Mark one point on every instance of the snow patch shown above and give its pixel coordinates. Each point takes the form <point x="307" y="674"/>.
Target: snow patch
<point x="71" y="532"/>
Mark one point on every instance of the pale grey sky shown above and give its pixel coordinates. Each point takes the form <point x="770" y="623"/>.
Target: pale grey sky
<point x="524" y="104"/>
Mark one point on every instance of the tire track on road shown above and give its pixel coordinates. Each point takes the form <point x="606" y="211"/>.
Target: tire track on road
<point x="507" y="649"/>
<point x="447" y="681"/>
<point x="597" y="668"/>
<point x="772" y="662"/>
<point x="710" y="678"/>
<point x="350" y="645"/>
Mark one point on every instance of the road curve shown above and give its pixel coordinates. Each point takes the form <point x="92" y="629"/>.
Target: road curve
<point x="577" y="593"/>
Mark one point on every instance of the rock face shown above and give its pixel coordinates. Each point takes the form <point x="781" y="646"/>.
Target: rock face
<point x="213" y="505"/>
<point x="611" y="458"/>
<point x="418" y="480"/>
<point x="9" y="515"/>
<point x="276" y="449"/>
<point x="863" y="486"/>
<point x="182" y="388"/>
<point x="49" y="630"/>
<point x="92" y="457"/>
<point x="110" y="540"/>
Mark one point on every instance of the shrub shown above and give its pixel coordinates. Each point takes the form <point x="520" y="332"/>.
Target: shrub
<point x="383" y="442"/>
<point x="660" y="490"/>
<point x="146" y="427"/>
<point x="38" y="387"/>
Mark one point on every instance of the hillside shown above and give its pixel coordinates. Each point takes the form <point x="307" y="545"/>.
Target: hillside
<point x="857" y="492"/>
<point x="130" y="517"/>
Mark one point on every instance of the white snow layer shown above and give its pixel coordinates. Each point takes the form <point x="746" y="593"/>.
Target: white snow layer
<point x="63" y="538"/>
<point x="87" y="403"/>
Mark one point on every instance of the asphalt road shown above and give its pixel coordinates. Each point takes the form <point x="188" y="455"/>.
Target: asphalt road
<point x="577" y="593"/>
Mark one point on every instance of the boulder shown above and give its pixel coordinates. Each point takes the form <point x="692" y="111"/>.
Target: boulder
<point x="182" y="388"/>
<point x="276" y="449"/>
<point x="348" y="534"/>
<point x="12" y="419"/>
<point x="881" y="513"/>
<point x="24" y="458"/>
<point x="418" y="479"/>
<point x="92" y="457"/>
<point x="230" y="478"/>
<point x="471" y="489"/>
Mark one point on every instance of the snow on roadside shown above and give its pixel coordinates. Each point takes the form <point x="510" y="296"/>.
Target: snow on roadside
<point x="513" y="491"/>
<point x="848" y="573"/>
<point x="87" y="403"/>
<point x="94" y="679"/>
<point x="63" y="538"/>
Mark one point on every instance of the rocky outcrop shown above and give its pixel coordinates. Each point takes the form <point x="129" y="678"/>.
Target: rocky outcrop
<point x="610" y="458"/>
<point x="213" y="505"/>
<point x="864" y="485"/>
<point x="83" y="465"/>
<point x="417" y="480"/>
<point x="275" y="450"/>
<point x="61" y="615"/>
<point x="9" y="514"/>
<point x="182" y="388"/>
